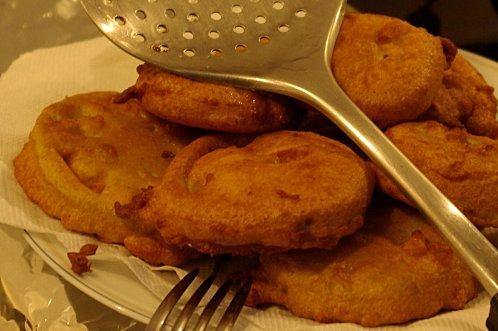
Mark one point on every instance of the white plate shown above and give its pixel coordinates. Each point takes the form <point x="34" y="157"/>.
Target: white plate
<point x="114" y="285"/>
<point x="111" y="283"/>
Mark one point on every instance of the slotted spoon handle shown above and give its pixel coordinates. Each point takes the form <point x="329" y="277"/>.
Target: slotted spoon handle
<point x="319" y="88"/>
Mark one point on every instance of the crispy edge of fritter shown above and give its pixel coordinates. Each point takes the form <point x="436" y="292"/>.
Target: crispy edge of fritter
<point x="468" y="202"/>
<point x="465" y="100"/>
<point x="208" y="105"/>
<point x="370" y="298"/>
<point x="177" y="233"/>
<point x="38" y="189"/>
<point x="32" y="179"/>
<point x="153" y="249"/>
<point x="418" y="82"/>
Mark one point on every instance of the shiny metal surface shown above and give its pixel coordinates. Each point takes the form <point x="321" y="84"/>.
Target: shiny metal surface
<point x="166" y="307"/>
<point x="159" y="319"/>
<point x="295" y="62"/>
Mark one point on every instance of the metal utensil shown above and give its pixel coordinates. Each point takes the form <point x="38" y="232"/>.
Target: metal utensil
<point x="226" y="322"/>
<point x="281" y="46"/>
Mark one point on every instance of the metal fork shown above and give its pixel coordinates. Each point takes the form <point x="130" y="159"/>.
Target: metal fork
<point x="158" y="320"/>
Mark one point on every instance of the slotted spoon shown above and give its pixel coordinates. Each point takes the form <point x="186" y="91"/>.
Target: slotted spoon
<point x="281" y="46"/>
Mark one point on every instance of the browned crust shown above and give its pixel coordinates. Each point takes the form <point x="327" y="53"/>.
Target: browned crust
<point x="394" y="270"/>
<point x="465" y="101"/>
<point x="208" y="105"/>
<point x="284" y="190"/>
<point x="82" y="157"/>
<point x="155" y="251"/>
<point x="389" y="68"/>
<point x="463" y="166"/>
<point x="32" y="179"/>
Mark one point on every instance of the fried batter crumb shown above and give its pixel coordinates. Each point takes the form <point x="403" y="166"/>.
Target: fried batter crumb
<point x="88" y="249"/>
<point x="167" y="155"/>
<point x="138" y="201"/>
<point x="79" y="260"/>
<point x="285" y="195"/>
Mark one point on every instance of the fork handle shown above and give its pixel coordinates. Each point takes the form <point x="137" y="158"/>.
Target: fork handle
<point x="320" y="89"/>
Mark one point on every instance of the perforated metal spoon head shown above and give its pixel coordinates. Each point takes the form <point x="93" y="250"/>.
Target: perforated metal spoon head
<point x="283" y="46"/>
<point x="243" y="41"/>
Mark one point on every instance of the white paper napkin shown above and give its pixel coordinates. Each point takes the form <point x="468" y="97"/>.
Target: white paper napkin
<point x="45" y="76"/>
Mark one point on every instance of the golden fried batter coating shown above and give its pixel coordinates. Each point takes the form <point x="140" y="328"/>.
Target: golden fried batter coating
<point x="209" y="106"/>
<point x="389" y="68"/>
<point x="395" y="269"/>
<point x="282" y="191"/>
<point x="463" y="166"/>
<point x="465" y="100"/>
<point x="154" y="250"/>
<point x="86" y="152"/>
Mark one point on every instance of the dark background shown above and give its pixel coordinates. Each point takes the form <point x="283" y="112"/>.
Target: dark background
<point x="472" y="25"/>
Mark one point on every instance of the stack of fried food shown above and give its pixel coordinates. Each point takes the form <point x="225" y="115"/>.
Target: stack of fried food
<point x="174" y="168"/>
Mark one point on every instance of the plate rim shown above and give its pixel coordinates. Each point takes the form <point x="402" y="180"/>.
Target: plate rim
<point x="79" y="283"/>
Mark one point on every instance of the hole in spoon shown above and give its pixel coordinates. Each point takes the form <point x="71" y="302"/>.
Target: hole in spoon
<point x="161" y="48"/>
<point x="300" y="13"/>
<point x="260" y="19"/>
<point x="189" y="35"/>
<point x="192" y="17"/>
<point x="283" y="28"/>
<point x="140" y="14"/>
<point x="161" y="28"/>
<point x="216" y="16"/>
<point x="170" y="13"/>
<point x="216" y="52"/>
<point x="213" y="34"/>
<point x="278" y="5"/>
<point x="120" y="20"/>
<point x="237" y="9"/>
<point x="240" y="48"/>
<point x="238" y="29"/>
<point x="189" y="52"/>
<point x="139" y="38"/>
<point x="264" y="40"/>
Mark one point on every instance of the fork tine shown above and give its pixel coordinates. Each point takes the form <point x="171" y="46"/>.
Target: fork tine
<point x="233" y="310"/>
<point x="166" y="306"/>
<point x="210" y="308"/>
<point x="192" y="303"/>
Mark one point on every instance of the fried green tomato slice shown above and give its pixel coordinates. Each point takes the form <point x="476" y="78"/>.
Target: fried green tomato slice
<point x="281" y="191"/>
<point x="396" y="269"/>
<point x="463" y="166"/>
<point x="85" y="153"/>
<point x="209" y="106"/>
<point x="465" y="101"/>
<point x="391" y="70"/>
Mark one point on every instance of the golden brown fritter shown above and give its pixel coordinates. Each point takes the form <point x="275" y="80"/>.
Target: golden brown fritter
<point x="208" y="105"/>
<point x="389" y="68"/>
<point x="86" y="152"/>
<point x="154" y="250"/>
<point x="395" y="269"/>
<point x="282" y="191"/>
<point x="463" y="166"/>
<point x="465" y="100"/>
